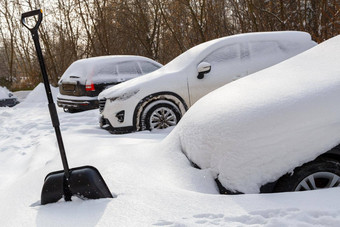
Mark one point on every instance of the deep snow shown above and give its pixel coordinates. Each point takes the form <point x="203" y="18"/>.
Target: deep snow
<point x="155" y="186"/>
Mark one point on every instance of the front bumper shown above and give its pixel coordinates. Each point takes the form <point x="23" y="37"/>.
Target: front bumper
<point x="105" y="124"/>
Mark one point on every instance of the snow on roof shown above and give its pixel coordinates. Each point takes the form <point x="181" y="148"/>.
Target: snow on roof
<point x="196" y="51"/>
<point x="254" y="130"/>
<point x="102" y="65"/>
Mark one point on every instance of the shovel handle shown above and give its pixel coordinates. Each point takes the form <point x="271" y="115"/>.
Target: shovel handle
<point x="30" y="14"/>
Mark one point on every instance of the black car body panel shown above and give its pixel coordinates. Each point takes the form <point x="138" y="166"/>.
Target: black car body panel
<point x="9" y="102"/>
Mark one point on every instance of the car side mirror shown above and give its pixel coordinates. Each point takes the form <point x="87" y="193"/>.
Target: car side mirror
<point x="203" y="68"/>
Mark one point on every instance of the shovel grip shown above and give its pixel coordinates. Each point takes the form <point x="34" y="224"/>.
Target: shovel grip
<point x="30" y="14"/>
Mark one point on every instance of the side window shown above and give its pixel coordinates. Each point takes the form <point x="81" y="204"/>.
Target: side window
<point x="263" y="48"/>
<point x="148" y="67"/>
<point x="128" y="68"/>
<point x="228" y="53"/>
<point x="264" y="54"/>
<point x="101" y="69"/>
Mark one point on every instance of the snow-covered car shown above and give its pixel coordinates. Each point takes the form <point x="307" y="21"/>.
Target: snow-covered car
<point x="277" y="130"/>
<point x="7" y="98"/>
<point x="84" y="79"/>
<point x="159" y="99"/>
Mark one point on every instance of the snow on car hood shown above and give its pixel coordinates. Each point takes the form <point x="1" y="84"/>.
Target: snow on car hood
<point x="193" y="56"/>
<point x="256" y="129"/>
<point x="130" y="86"/>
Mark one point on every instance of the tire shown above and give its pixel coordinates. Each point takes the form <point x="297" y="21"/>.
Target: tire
<point x="161" y="114"/>
<point x="318" y="174"/>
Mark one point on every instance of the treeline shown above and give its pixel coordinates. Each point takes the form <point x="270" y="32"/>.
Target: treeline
<point x="159" y="29"/>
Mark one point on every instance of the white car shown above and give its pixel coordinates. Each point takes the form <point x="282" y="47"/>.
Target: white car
<point x="277" y="130"/>
<point x="159" y="99"/>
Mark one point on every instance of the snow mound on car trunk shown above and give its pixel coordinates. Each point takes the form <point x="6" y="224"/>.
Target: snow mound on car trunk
<point x="254" y="130"/>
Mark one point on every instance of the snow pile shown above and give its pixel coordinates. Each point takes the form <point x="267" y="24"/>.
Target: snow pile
<point x="254" y="130"/>
<point x="4" y="92"/>
<point x="37" y="97"/>
<point x="21" y="95"/>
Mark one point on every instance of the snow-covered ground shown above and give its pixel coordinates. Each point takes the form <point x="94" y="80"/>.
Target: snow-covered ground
<point x="154" y="185"/>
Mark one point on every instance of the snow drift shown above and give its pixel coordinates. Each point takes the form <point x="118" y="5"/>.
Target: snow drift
<point x="254" y="130"/>
<point x="37" y="97"/>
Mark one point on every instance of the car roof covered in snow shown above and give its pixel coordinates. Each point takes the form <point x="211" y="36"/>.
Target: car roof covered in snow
<point x="101" y="66"/>
<point x="196" y="52"/>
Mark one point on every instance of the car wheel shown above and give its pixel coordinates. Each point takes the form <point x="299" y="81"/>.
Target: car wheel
<point x="161" y="114"/>
<point x="318" y="174"/>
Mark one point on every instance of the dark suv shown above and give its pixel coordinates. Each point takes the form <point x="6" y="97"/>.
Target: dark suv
<point x="85" y="79"/>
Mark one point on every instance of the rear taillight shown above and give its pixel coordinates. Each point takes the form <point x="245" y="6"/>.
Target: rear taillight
<point x="89" y="87"/>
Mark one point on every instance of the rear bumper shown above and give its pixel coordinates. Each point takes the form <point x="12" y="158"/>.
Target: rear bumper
<point x="77" y="104"/>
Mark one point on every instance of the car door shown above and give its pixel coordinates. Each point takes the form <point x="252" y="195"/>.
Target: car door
<point x="226" y="66"/>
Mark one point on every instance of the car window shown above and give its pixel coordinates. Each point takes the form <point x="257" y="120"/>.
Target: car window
<point x="104" y="69"/>
<point x="227" y="53"/>
<point x="148" y="67"/>
<point x="263" y="48"/>
<point x="128" y="68"/>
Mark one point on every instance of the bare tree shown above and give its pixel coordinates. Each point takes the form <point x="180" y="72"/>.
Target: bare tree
<point x="159" y="29"/>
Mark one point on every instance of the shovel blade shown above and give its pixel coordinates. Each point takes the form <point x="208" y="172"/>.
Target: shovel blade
<point x="84" y="182"/>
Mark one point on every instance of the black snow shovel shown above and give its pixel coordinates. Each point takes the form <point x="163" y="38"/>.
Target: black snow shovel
<point x="84" y="182"/>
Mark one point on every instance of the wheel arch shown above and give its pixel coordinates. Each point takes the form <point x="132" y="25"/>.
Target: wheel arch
<point x="143" y="103"/>
<point x="333" y="153"/>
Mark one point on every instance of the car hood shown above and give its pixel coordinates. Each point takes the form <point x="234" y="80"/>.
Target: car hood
<point x="135" y="85"/>
<point x="262" y="126"/>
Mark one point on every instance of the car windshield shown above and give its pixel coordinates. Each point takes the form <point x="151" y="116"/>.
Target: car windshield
<point x="195" y="54"/>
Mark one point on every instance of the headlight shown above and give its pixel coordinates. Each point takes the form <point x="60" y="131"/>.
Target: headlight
<point x="124" y="96"/>
<point x="128" y="95"/>
<point x="113" y="99"/>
